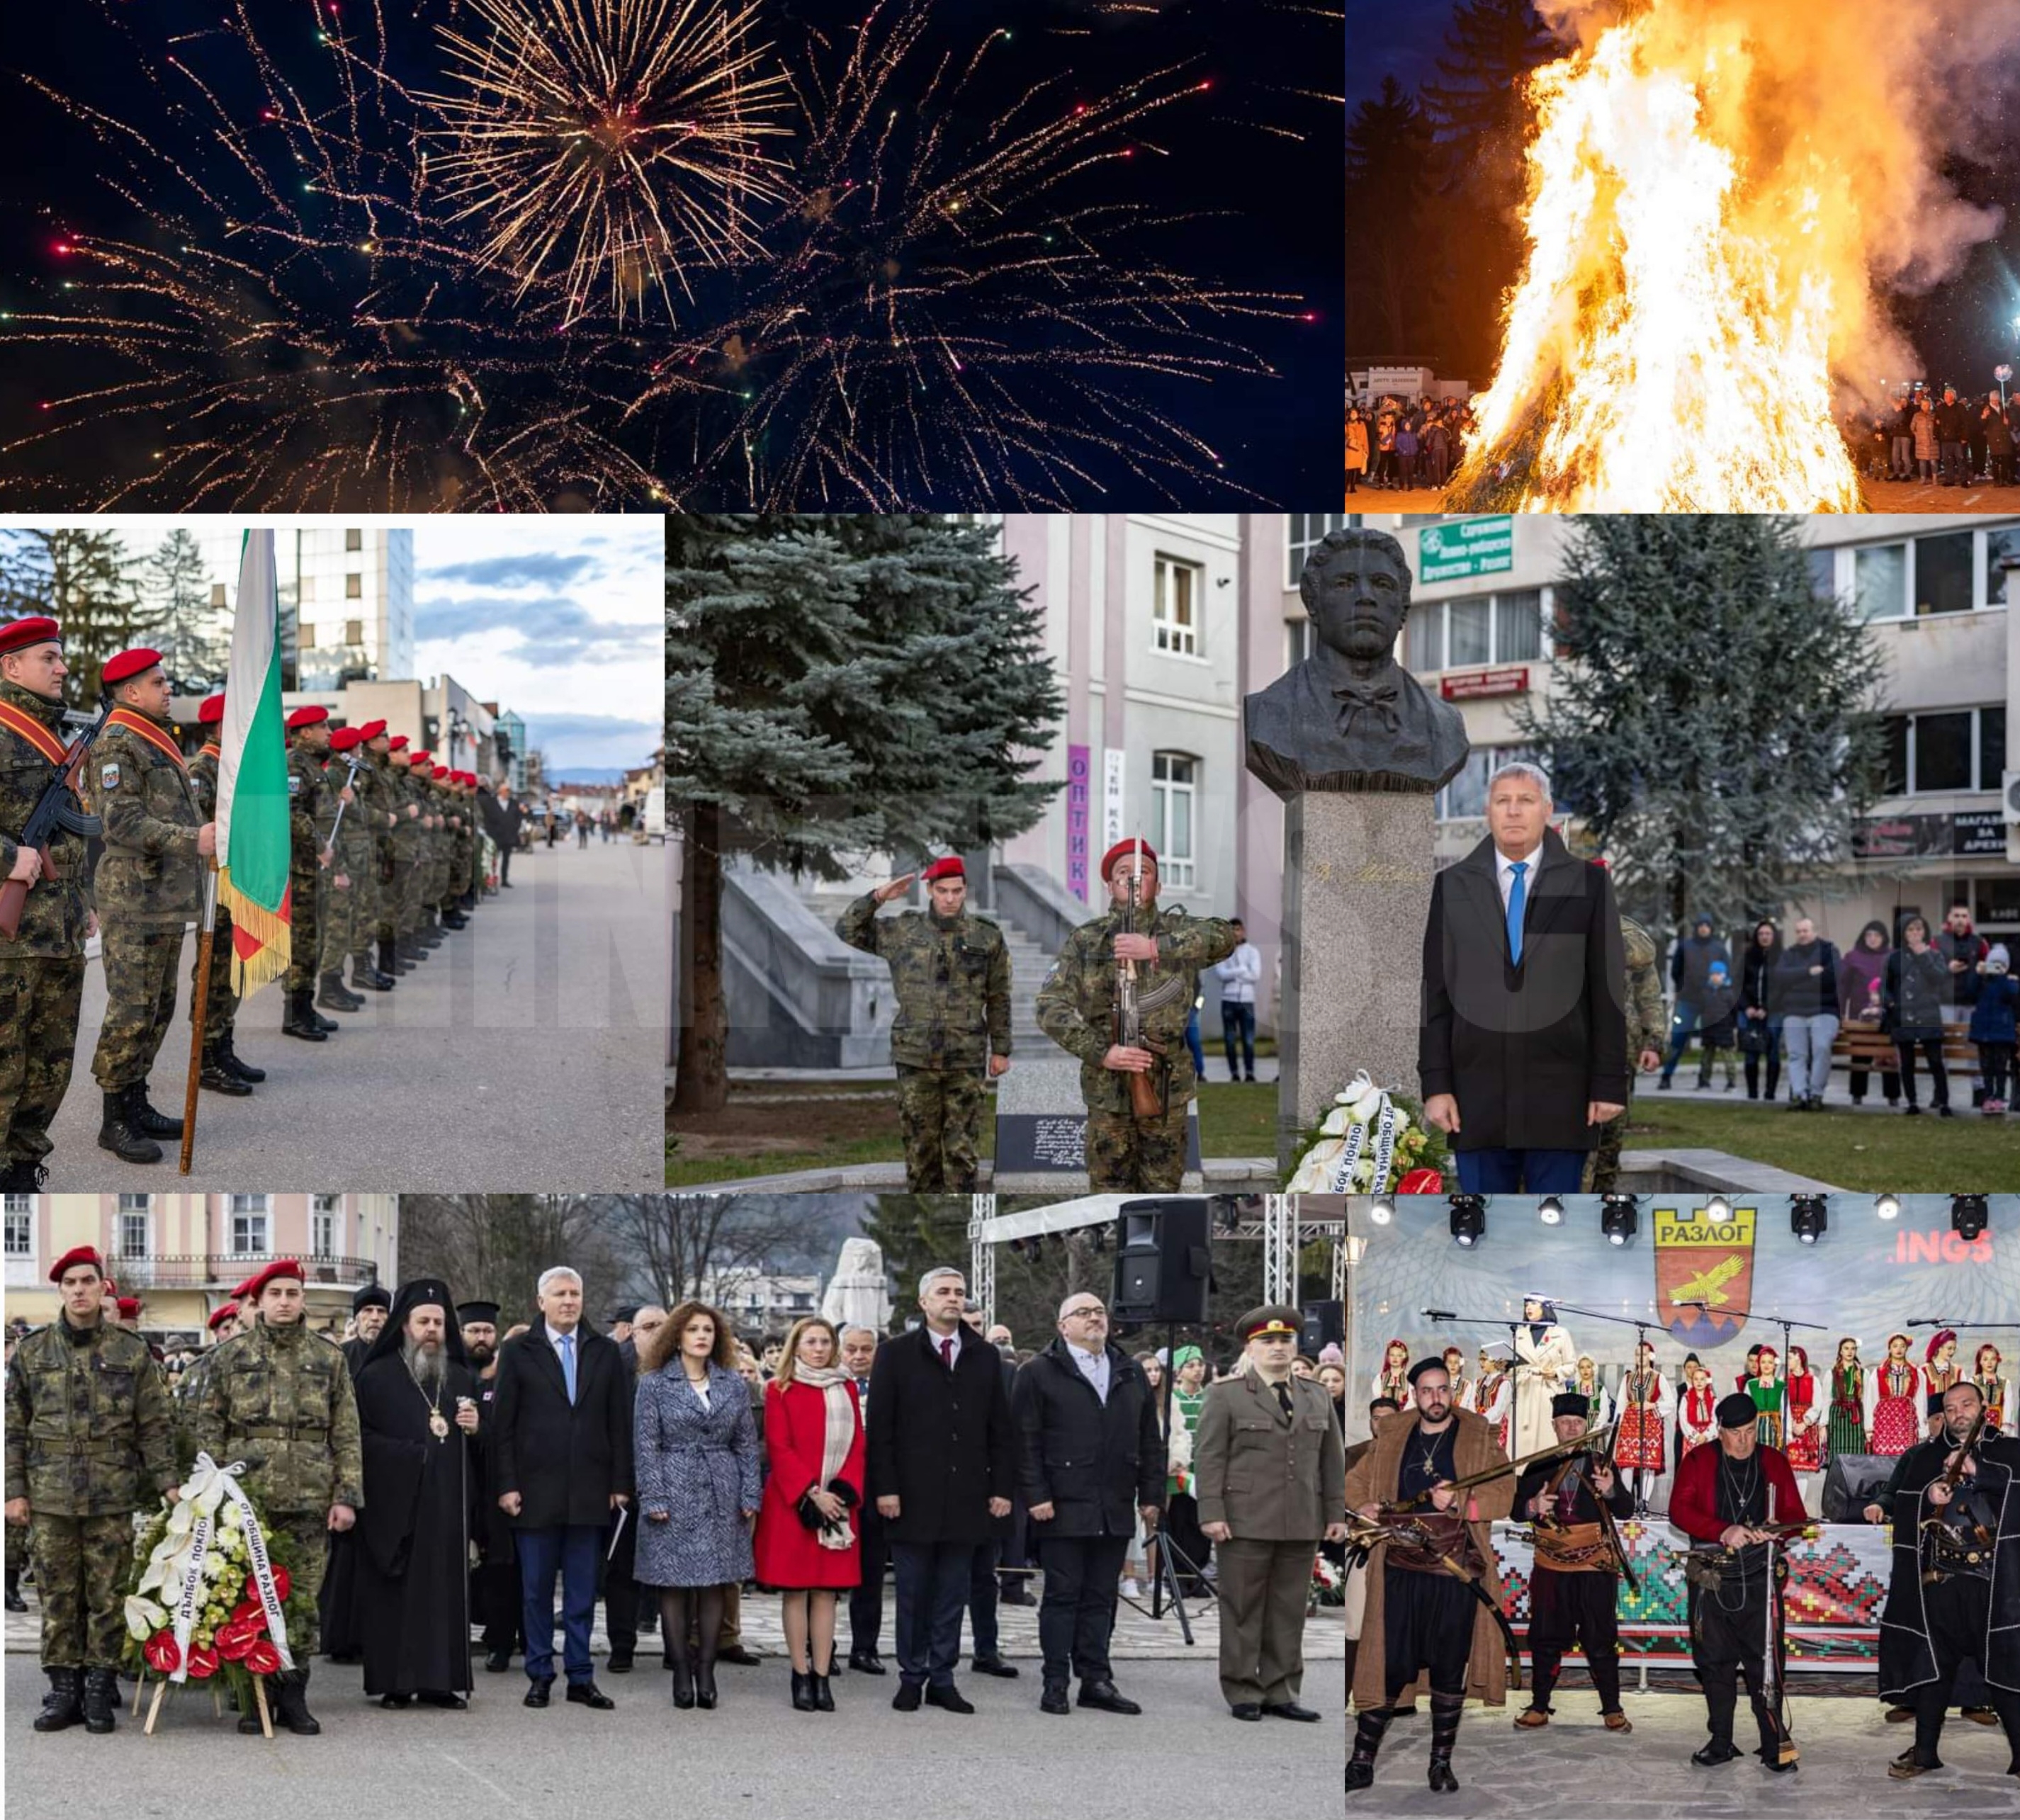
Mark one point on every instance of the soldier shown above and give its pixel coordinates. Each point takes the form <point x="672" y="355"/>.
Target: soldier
<point x="382" y="797"/>
<point x="41" y="964"/>
<point x="148" y="886"/>
<point x="950" y="974"/>
<point x="1271" y="1470"/>
<point x="455" y="857"/>
<point x="89" y="1426"/>
<point x="279" y="1398"/>
<point x="222" y="1070"/>
<point x="310" y="878"/>
<point x="410" y="838"/>
<point x="351" y="844"/>
<point x="1647" y="1020"/>
<point x="1075" y="1009"/>
<point x="223" y="1325"/>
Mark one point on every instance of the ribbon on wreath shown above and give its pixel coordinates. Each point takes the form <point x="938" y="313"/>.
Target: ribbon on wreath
<point x="1379" y="1130"/>
<point x="190" y="1597"/>
<point x="1342" y="1170"/>
<point x="209" y="1485"/>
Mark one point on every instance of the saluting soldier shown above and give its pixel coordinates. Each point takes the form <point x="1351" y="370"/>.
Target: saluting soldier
<point x="309" y="876"/>
<point x="90" y="1434"/>
<point x="149" y="884"/>
<point x="222" y="1071"/>
<point x="350" y="842"/>
<point x="279" y="1398"/>
<point x="1271" y="1467"/>
<point x="1076" y="1010"/>
<point x="1648" y="1022"/>
<point x="950" y="975"/>
<point x="42" y="964"/>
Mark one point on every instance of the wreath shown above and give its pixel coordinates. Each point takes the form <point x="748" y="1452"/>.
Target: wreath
<point x="1366" y="1131"/>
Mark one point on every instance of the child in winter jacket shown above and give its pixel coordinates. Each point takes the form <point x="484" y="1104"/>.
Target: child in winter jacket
<point x="1718" y="1025"/>
<point x="1993" y="1019"/>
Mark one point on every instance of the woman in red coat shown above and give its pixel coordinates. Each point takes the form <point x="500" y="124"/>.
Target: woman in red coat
<point x="809" y="1541"/>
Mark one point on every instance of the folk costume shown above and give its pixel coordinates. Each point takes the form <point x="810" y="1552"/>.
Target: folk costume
<point x="1697" y="1416"/>
<point x="1545" y="1360"/>
<point x="1896" y="1423"/>
<point x="1765" y="1389"/>
<point x="1845" y="1429"/>
<point x="1647" y="1401"/>
<point x="1805" y="1443"/>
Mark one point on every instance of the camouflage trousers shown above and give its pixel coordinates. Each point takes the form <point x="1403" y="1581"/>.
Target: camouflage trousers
<point x="40" y="997"/>
<point x="140" y="962"/>
<point x="304" y="926"/>
<point x="403" y="896"/>
<point x="1136" y="1154"/>
<point x="386" y="897"/>
<point x="220" y="1004"/>
<point x="939" y="1109"/>
<point x="307" y="1532"/>
<point x="342" y="921"/>
<point x="81" y="1564"/>
<point x="1602" y="1164"/>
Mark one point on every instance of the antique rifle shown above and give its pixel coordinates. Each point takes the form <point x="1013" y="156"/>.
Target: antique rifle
<point x="1953" y="1473"/>
<point x="1575" y="1445"/>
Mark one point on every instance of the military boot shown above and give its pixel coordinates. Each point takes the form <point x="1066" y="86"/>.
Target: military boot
<point x="389" y="960"/>
<point x="62" y="1706"/>
<point x="219" y="1079"/>
<point x="154" y="1123"/>
<point x="23" y="1175"/>
<point x="292" y="1689"/>
<point x="244" y="1070"/>
<point x="119" y="1134"/>
<point x="333" y="995"/>
<point x="101" y="1695"/>
<point x="15" y="1601"/>
<point x="366" y="978"/>
<point x="299" y="1020"/>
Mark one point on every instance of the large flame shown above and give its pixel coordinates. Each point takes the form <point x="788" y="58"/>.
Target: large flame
<point x="1707" y="190"/>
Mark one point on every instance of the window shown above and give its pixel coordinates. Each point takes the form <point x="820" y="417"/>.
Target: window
<point x="354" y="540"/>
<point x="1174" y="610"/>
<point x="249" y="1224"/>
<point x="1470" y="632"/>
<point x="1880" y="581"/>
<point x="1823" y="573"/>
<point x="1960" y="748"/>
<point x="217" y="594"/>
<point x="322" y="1229"/>
<point x="133" y="1234"/>
<point x="354" y="631"/>
<point x="1307" y="530"/>
<point x="1297" y="642"/>
<point x="1465" y="797"/>
<point x="20" y="1227"/>
<point x="1997" y="544"/>
<point x="1173" y="782"/>
<point x="1424" y="636"/>
<point x="354" y="587"/>
<point x="1950" y="572"/>
<point x="306" y="636"/>
<point x="1476" y="629"/>
<point x="1518" y="626"/>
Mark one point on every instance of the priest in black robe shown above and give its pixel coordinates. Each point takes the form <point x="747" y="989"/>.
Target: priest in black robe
<point x="336" y="1599"/>
<point x="417" y="1413"/>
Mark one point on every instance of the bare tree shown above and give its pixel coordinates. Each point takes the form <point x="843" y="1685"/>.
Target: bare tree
<point x="668" y="1245"/>
<point x="494" y="1247"/>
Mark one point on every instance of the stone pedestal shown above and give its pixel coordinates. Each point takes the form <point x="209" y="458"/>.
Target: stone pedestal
<point x="1041" y="1130"/>
<point x="1357" y="870"/>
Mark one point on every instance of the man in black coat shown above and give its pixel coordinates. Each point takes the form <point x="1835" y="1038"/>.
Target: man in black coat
<point x="941" y="1467"/>
<point x="336" y="1599"/>
<point x="494" y="1582"/>
<point x="1523" y="1053"/>
<point x="1092" y="1457"/>
<point x="562" y="1460"/>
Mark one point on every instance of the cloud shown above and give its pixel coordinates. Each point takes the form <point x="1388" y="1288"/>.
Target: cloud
<point x="581" y="740"/>
<point x="560" y="630"/>
<point x="529" y="569"/>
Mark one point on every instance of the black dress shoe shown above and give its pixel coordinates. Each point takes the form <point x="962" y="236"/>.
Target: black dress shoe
<point x="1054" y="1699"/>
<point x="620" y="1662"/>
<point x="1017" y="1596"/>
<point x="448" y="1702"/>
<point x="906" y="1699"/>
<point x="396" y="1703"/>
<point x="1102" y="1695"/>
<point x="1715" y="1754"/>
<point x="586" y="1694"/>
<point x="498" y="1660"/>
<point x="536" y="1695"/>
<point x="996" y="1665"/>
<point x="736" y="1653"/>
<point x="948" y="1700"/>
<point x="1247" y="1709"/>
<point x="863" y="1661"/>
<point x="1291" y="1709"/>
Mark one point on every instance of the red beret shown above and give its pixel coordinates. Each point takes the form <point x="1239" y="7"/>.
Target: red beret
<point x="442" y="771"/>
<point x="243" y="1291"/>
<point x="124" y="664"/>
<point x="274" y="1272"/>
<point x="129" y="1307"/>
<point x="308" y="715"/>
<point x="372" y="729"/>
<point x="1121" y="850"/>
<point x="222" y="1316"/>
<point x="19" y="634"/>
<point x="344" y="738"/>
<point x="397" y="741"/>
<point x="420" y="758"/>
<point x="950" y="867"/>
<point x="75" y="1255"/>
<point x="211" y="709"/>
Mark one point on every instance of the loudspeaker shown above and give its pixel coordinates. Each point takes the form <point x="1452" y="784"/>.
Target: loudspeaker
<point x="1852" y="1482"/>
<point x="1325" y="1325"/>
<point x="1164" y="1262"/>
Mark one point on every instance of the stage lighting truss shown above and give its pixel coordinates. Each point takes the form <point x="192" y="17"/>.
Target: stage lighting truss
<point x="1968" y="1214"/>
<point x="1808" y="1216"/>
<point x="1618" y="1216"/>
<point x="1469" y="1218"/>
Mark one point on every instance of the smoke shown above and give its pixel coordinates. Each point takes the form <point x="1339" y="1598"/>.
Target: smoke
<point x="1839" y="115"/>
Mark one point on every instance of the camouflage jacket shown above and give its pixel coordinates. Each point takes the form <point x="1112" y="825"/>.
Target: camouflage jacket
<point x="150" y="870"/>
<point x="1648" y="1022"/>
<point x="353" y="833"/>
<point x="406" y="794"/>
<point x="53" y="917"/>
<point x="951" y="982"/>
<point x="307" y="818"/>
<point x="375" y="796"/>
<point x="203" y="780"/>
<point x="280" y="1400"/>
<point x="89" y="1428"/>
<point x="1076" y="1002"/>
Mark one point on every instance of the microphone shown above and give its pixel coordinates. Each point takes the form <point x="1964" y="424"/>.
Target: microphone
<point x="1437" y="1314"/>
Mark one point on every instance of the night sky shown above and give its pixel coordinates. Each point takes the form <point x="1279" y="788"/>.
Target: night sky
<point x="1963" y="329"/>
<point x="1277" y="436"/>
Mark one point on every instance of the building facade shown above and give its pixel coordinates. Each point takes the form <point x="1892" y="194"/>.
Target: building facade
<point x="760" y="1305"/>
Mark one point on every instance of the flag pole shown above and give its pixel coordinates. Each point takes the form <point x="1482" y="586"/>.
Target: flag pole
<point x="199" y="1006"/>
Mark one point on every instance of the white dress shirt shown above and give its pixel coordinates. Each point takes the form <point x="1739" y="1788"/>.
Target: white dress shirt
<point x="1093" y="1366"/>
<point x="1504" y="873"/>
<point x="936" y="1340"/>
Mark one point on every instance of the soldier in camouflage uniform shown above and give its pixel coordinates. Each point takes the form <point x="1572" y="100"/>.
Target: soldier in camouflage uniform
<point x="149" y="884"/>
<point x="951" y="975"/>
<point x="1075" y="1009"/>
<point x="350" y="841"/>
<point x="222" y="1071"/>
<point x="41" y="964"/>
<point x="89" y="1437"/>
<point x="279" y="1398"/>
<point x="408" y="835"/>
<point x="456" y="848"/>
<point x="223" y="1324"/>
<point x="310" y="878"/>
<point x="381" y="798"/>
<point x="1647" y="1022"/>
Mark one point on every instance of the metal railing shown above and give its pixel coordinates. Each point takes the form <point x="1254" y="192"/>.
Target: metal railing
<point x="225" y="1269"/>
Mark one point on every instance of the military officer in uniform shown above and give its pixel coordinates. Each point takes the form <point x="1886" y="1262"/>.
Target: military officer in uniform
<point x="1075" y="1009"/>
<point x="1271" y="1468"/>
<point x="404" y="848"/>
<point x="950" y="974"/>
<point x="310" y="878"/>
<point x="1647" y="1023"/>
<point x="222" y="1070"/>
<point x="351" y="866"/>
<point x="42" y="964"/>
<point x="149" y="884"/>
<point x="382" y="798"/>
<point x="90" y="1437"/>
<point x="279" y="1398"/>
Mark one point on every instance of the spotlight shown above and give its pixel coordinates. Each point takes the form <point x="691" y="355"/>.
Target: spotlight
<point x="1617" y="1218"/>
<point x="1382" y="1209"/>
<point x="1808" y="1216"/>
<point x="1550" y="1211"/>
<point x="1717" y="1208"/>
<point x="1887" y="1206"/>
<point x="1469" y="1218"/>
<point x="1968" y="1214"/>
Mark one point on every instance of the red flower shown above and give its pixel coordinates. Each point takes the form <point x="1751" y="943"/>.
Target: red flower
<point x="202" y="1662"/>
<point x="282" y="1584"/>
<point x="161" y="1652"/>
<point x="246" y="1608"/>
<point x="262" y="1658"/>
<point x="234" y="1638"/>
<point x="1421" y="1182"/>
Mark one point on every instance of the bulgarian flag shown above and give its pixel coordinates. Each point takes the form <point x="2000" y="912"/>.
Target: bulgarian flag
<point x="253" y="835"/>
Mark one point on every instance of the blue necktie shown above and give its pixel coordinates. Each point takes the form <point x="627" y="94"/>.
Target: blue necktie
<point x="1516" y="901"/>
<point x="568" y="1363"/>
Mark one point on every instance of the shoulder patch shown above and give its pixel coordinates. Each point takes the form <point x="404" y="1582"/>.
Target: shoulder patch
<point x="294" y="783"/>
<point x="108" y="777"/>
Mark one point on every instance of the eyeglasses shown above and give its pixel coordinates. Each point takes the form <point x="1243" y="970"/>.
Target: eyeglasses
<point x="1082" y="1313"/>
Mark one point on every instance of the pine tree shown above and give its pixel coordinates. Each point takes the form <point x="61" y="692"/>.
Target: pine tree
<point x="180" y="596"/>
<point x="85" y="581"/>
<point x="836" y="684"/>
<point x="1714" y="720"/>
<point x="1388" y="190"/>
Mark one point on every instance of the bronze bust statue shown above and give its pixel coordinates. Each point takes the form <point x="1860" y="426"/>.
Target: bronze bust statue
<point x="1351" y="717"/>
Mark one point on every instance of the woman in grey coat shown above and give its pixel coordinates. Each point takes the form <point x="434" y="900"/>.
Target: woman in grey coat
<point x="696" y="1468"/>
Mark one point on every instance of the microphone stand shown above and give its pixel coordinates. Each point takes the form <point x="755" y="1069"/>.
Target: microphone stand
<point x="1787" y="1326"/>
<point x="1515" y="1362"/>
<point x="1640" y="1326"/>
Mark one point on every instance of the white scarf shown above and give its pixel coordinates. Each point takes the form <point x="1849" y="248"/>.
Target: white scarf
<point x="839" y="1436"/>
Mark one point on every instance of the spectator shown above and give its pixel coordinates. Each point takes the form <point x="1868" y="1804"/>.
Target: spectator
<point x="1952" y="425"/>
<point x="865" y="1603"/>
<point x="1998" y="439"/>
<point x="1239" y="975"/>
<point x="1406" y="454"/>
<point x="1759" y="1017"/>
<point x="1902" y="422"/>
<point x="1716" y="1025"/>
<point x="1190" y="1547"/>
<point x="1356" y="447"/>
<point x="1922" y="426"/>
<point x="1437" y="452"/>
<point x="1860" y="978"/>
<point x="1963" y="951"/>
<point x="1385" y="449"/>
<point x="1807" y="976"/>
<point x="1992" y="1027"/>
<point x="1690" y="966"/>
<point x="1914" y="991"/>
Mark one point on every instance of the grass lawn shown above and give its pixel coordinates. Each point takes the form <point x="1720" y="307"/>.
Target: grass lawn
<point x="772" y="1128"/>
<point x="1873" y="1153"/>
